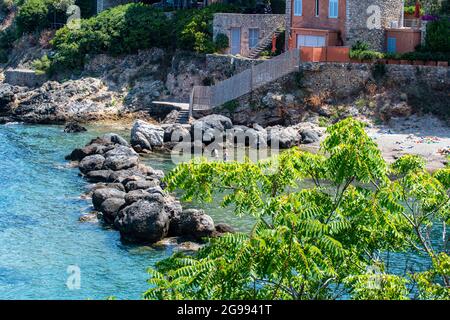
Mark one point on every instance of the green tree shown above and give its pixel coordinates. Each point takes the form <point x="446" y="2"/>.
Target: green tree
<point x="322" y="221"/>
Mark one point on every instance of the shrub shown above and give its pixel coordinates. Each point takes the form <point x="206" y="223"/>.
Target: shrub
<point x="438" y="35"/>
<point x="35" y="15"/>
<point x="222" y="42"/>
<point x="361" y="51"/>
<point x="42" y="65"/>
<point x="193" y="28"/>
<point x="119" y="30"/>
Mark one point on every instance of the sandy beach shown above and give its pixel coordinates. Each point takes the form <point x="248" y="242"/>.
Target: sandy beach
<point x="426" y="136"/>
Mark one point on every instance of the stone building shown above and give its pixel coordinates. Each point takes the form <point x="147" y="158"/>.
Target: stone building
<point x="323" y="23"/>
<point x="246" y="32"/>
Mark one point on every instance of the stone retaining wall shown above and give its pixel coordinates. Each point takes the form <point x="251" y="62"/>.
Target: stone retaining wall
<point x="23" y="78"/>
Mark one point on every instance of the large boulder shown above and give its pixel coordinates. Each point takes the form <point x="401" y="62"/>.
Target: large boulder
<point x="120" y="158"/>
<point x="143" y="221"/>
<point x="176" y="133"/>
<point x="285" y="137"/>
<point x="115" y="139"/>
<point x="209" y="126"/>
<point x="309" y="136"/>
<point x="96" y="147"/>
<point x="99" y="175"/>
<point x="102" y="194"/>
<point x="145" y="136"/>
<point x="192" y="223"/>
<point x="110" y="207"/>
<point x="90" y="163"/>
<point x="141" y="184"/>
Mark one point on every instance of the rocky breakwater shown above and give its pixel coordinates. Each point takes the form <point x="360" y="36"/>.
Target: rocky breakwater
<point x="130" y="196"/>
<point x="86" y="99"/>
<point x="218" y="131"/>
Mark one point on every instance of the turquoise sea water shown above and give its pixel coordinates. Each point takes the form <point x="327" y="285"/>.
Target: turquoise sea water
<point x="40" y="235"/>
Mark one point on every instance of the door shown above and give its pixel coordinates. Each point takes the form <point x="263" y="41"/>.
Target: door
<point x="235" y="40"/>
<point x="392" y="45"/>
<point x="310" y="41"/>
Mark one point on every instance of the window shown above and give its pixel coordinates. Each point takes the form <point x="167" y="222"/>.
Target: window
<point x="317" y="8"/>
<point x="334" y="8"/>
<point x="298" y="4"/>
<point x="253" y="37"/>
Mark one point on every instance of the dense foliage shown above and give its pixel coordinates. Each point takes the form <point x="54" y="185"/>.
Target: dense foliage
<point x="128" y="28"/>
<point x="193" y="28"/>
<point x="35" y="15"/>
<point x="361" y="51"/>
<point x="325" y="223"/>
<point x="120" y="30"/>
<point x="438" y="35"/>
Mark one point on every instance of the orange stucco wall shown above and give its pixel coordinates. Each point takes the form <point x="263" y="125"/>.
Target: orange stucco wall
<point x="309" y="20"/>
<point x="324" y="54"/>
<point x="407" y="39"/>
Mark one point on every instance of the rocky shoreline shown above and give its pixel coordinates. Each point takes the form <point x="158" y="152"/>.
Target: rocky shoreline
<point x="130" y="197"/>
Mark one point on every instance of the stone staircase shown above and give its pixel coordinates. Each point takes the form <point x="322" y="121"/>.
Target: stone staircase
<point x="183" y="116"/>
<point x="264" y="43"/>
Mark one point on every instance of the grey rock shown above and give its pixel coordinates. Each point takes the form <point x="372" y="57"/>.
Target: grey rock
<point x="73" y="127"/>
<point x="143" y="221"/>
<point x="176" y="133"/>
<point x="116" y="139"/>
<point x="110" y="207"/>
<point x="121" y="158"/>
<point x="146" y="136"/>
<point x="192" y="223"/>
<point x="284" y="137"/>
<point x="224" y="228"/>
<point x="309" y="136"/>
<point x="136" y="195"/>
<point x="102" y="194"/>
<point x="141" y="184"/>
<point x="90" y="163"/>
<point x="214" y="121"/>
<point x="99" y="175"/>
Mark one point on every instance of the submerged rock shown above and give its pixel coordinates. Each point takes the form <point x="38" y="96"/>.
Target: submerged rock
<point x="73" y="127"/>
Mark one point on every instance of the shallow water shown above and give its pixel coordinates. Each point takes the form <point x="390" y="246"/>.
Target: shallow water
<point x="40" y="235"/>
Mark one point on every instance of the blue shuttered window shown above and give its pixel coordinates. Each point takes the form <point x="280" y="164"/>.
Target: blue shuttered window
<point x="253" y="37"/>
<point x="298" y="7"/>
<point x="333" y="8"/>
